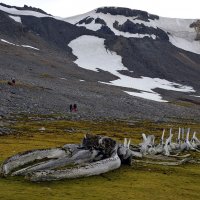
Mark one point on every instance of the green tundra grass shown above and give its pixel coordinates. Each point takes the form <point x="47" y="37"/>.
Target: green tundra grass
<point x="139" y="181"/>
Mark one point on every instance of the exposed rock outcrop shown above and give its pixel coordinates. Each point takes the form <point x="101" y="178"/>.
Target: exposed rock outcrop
<point x="25" y="8"/>
<point x="131" y="27"/>
<point x="196" y="26"/>
<point x="142" y="15"/>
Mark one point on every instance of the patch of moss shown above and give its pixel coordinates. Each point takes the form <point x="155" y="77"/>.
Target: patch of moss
<point x="45" y="75"/>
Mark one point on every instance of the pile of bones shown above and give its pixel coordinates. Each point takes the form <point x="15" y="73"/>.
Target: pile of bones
<point x="99" y="154"/>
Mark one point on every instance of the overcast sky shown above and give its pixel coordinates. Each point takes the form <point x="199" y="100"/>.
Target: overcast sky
<point x="66" y="8"/>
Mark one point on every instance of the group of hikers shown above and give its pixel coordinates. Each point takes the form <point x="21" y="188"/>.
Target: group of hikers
<point x="12" y="82"/>
<point x="73" y="108"/>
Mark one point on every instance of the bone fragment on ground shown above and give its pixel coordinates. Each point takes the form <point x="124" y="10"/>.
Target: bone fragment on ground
<point x="185" y="160"/>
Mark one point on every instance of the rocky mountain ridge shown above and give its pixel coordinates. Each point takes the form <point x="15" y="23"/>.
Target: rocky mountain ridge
<point x="112" y="62"/>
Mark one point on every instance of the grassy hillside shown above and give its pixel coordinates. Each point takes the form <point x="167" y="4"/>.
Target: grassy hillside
<point x="140" y="181"/>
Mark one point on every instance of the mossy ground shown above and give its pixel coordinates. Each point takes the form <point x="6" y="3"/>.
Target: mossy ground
<point x="136" y="182"/>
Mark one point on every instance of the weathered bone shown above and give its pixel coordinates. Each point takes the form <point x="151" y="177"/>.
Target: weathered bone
<point x="147" y="143"/>
<point x="170" y="131"/>
<point x="195" y="139"/>
<point x="83" y="156"/>
<point x="144" y="137"/>
<point x="129" y="142"/>
<point x="27" y="157"/>
<point x="182" y="131"/>
<point x="186" y="144"/>
<point x="167" y="147"/>
<point x="185" y="160"/>
<point x="162" y="138"/>
<point x="189" y="146"/>
<point x="125" y="142"/>
<point x="92" y="169"/>
<point x="179" y="136"/>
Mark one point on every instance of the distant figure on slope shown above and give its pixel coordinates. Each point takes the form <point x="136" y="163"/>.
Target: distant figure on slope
<point x="70" y="108"/>
<point x="12" y="82"/>
<point x="75" y="108"/>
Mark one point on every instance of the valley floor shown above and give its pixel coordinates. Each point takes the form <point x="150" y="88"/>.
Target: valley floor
<point x="139" y="181"/>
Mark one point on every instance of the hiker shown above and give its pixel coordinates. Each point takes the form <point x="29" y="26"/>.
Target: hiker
<point x="75" y="108"/>
<point x="70" y="108"/>
<point x="13" y="81"/>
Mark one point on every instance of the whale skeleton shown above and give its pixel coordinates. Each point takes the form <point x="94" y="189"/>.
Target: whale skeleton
<point x="166" y="147"/>
<point x="96" y="155"/>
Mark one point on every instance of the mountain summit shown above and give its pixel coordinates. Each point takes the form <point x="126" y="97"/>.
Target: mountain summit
<point x="112" y="62"/>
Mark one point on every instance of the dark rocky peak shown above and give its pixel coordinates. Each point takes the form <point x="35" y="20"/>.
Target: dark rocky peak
<point x="25" y="8"/>
<point x="100" y="21"/>
<point x="131" y="27"/>
<point x="105" y="30"/>
<point x="86" y="20"/>
<point x="142" y="15"/>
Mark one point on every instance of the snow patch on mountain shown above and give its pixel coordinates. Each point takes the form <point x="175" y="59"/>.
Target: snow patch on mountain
<point x="147" y="95"/>
<point x="91" y="26"/>
<point x="28" y="46"/>
<point x="16" y="18"/>
<point x="109" y="19"/>
<point x="5" y="41"/>
<point x="179" y="31"/>
<point x="93" y="55"/>
<point x="195" y="96"/>
<point x="192" y="46"/>
<point x="23" y="45"/>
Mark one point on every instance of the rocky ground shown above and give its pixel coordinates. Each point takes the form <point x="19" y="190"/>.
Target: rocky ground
<point x="48" y="82"/>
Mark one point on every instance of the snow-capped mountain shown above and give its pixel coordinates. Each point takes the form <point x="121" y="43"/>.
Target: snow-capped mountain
<point x="139" y="24"/>
<point x="136" y="55"/>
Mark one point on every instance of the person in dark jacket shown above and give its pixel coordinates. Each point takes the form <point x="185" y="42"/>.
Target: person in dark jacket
<point x="70" y="108"/>
<point x="13" y="81"/>
<point x="75" y="108"/>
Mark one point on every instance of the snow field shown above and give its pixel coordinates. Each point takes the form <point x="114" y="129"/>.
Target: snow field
<point x="95" y="56"/>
